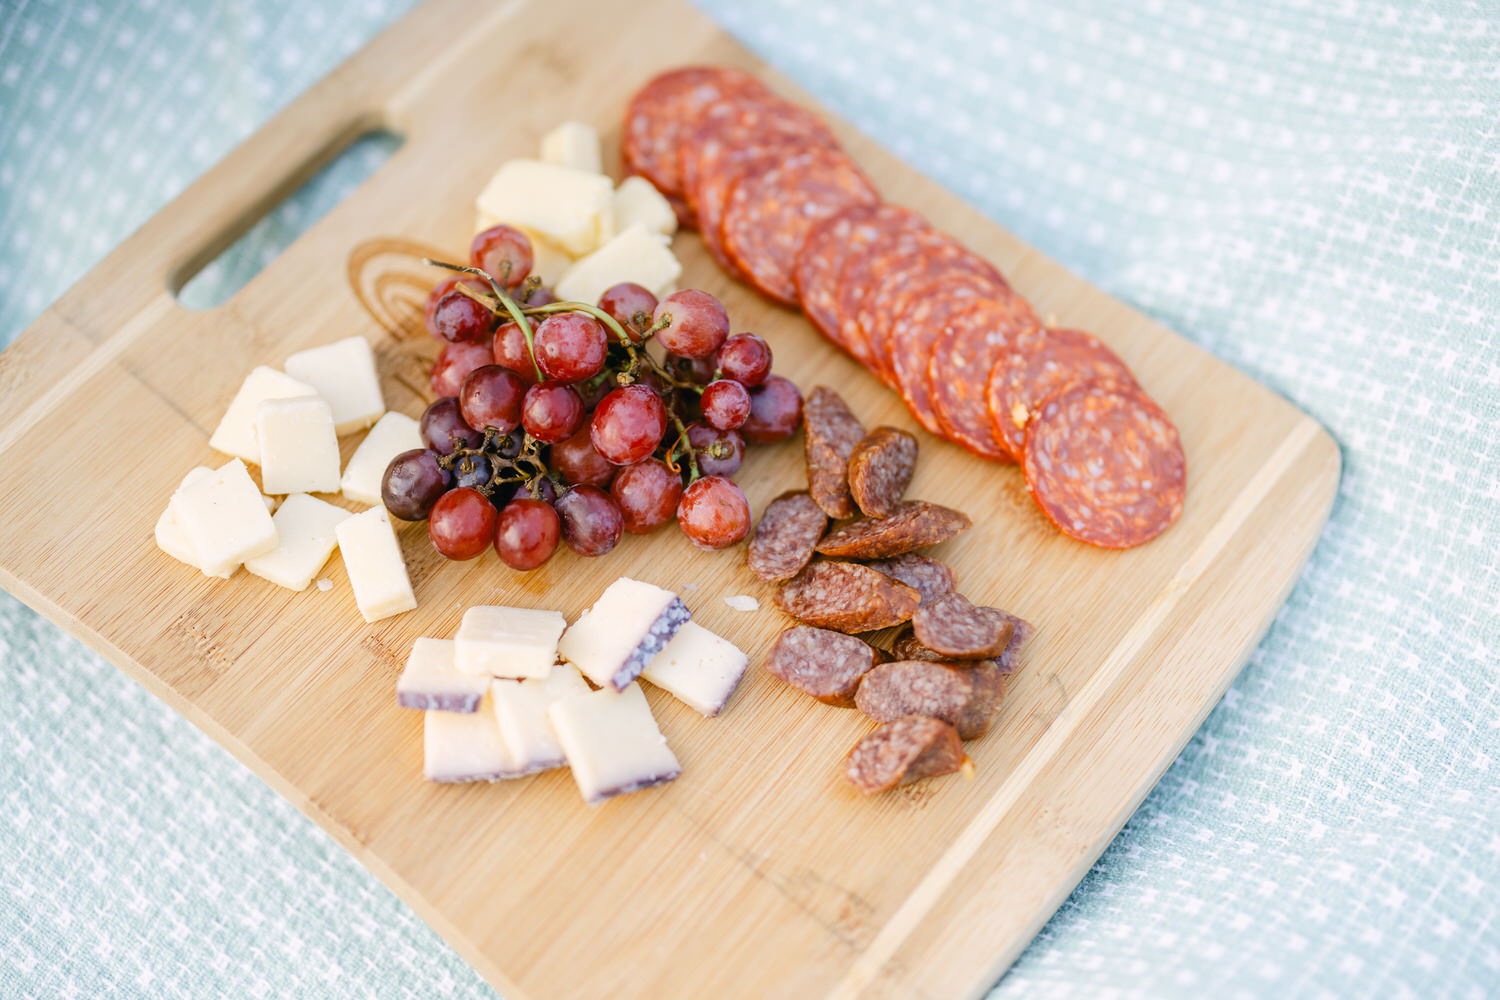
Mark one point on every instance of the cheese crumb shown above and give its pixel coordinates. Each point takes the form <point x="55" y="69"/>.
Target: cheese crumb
<point x="325" y="584"/>
<point x="742" y="602"/>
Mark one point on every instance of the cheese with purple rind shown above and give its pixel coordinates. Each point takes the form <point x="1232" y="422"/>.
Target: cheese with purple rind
<point x="465" y="746"/>
<point x="698" y="668"/>
<point x="612" y="743"/>
<point x="612" y="642"/>
<point x="521" y="711"/>
<point x="432" y="683"/>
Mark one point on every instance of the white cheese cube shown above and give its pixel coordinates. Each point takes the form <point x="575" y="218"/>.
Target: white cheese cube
<point x="573" y="144"/>
<point x="464" y="746"/>
<point x="612" y="642"/>
<point x="568" y="206"/>
<point x="225" y="520"/>
<point x="635" y="255"/>
<point x="432" y="683"/>
<point x="343" y="373"/>
<point x="612" y="743"/>
<point x="299" y="449"/>
<point x="235" y="434"/>
<point x="699" y="668"/>
<point x="521" y="709"/>
<point x="377" y="572"/>
<point x="391" y="435"/>
<point x="171" y="537"/>
<point x="304" y="540"/>
<point x="509" y="642"/>
<point x="637" y="200"/>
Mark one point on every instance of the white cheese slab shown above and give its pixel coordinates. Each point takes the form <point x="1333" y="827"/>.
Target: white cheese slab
<point x="225" y="519"/>
<point x="573" y="144"/>
<point x="299" y="448"/>
<point x="391" y="435"/>
<point x="568" y="206"/>
<point x="464" y="746"/>
<point x="509" y="642"/>
<point x="377" y="571"/>
<point x="637" y="254"/>
<point x="521" y="709"/>
<point x="612" y="642"/>
<point x="305" y="538"/>
<point x="344" y="374"/>
<point x="432" y="683"/>
<point x="698" y="668"/>
<point x="235" y="434"/>
<point x="171" y="537"/>
<point x="638" y="201"/>
<point x="612" y="743"/>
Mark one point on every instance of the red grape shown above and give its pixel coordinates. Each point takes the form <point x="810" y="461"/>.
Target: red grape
<point x="699" y="371"/>
<point x="503" y="251"/>
<point x="719" y="453"/>
<point x="591" y="521"/>
<point x="526" y="533"/>
<point x="462" y="523"/>
<point x="624" y="302"/>
<point x="726" y="404"/>
<point x="543" y="489"/>
<point x="442" y="288"/>
<point x="647" y="493"/>
<point x="628" y="424"/>
<point x="745" y="358"/>
<point x="698" y="323"/>
<point x="551" y="412"/>
<point x="775" y="411"/>
<point x="570" y="346"/>
<point x="453" y="364"/>
<point x="473" y="471"/>
<point x="412" y="483"/>
<point x="458" y="317"/>
<point x="491" y="397"/>
<point x="444" y="430"/>
<point x="714" y="513"/>
<point x="511" y="351"/>
<point x="576" y="461"/>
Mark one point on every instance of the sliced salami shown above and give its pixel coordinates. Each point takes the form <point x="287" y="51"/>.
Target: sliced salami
<point x="1105" y="464"/>
<point x="827" y="665"/>
<point x="910" y="276"/>
<point x="915" y="334"/>
<point x="927" y="576"/>
<point x="1041" y="362"/>
<point x="662" y="113"/>
<point x="913" y="525"/>
<point x="961" y="285"/>
<point x="959" y="366"/>
<point x="963" y="697"/>
<point x="829" y="245"/>
<point x="864" y="269"/>
<point x="954" y="627"/>
<point x="784" y="539"/>
<point x="880" y="469"/>
<point x="847" y="597"/>
<point x="904" y="751"/>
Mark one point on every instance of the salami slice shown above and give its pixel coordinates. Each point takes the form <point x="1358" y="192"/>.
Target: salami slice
<point x="959" y="366"/>
<point x="831" y="432"/>
<point x="1041" y="362"/>
<point x="959" y="284"/>
<point x="880" y="469"/>
<point x="827" y="665"/>
<point x="954" y="627"/>
<point x="768" y="214"/>
<point x="927" y="576"/>
<point x="904" y="751"/>
<point x="963" y="697"/>
<point x="847" y="597"/>
<point x="829" y="245"/>
<point x="784" y="539"/>
<point x="912" y="525"/>
<point x="863" y="269"/>
<point x="915" y="334"/>
<point x="663" y="111"/>
<point x="1105" y="464"/>
<point x="910" y="276"/>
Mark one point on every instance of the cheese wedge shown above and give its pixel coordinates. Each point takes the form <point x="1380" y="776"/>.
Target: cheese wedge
<point x="521" y="709"/>
<point x="432" y="683"/>
<point x="699" y="668"/>
<point x="299" y="448"/>
<point x="464" y="746"/>
<point x="638" y="201"/>
<point x="612" y="743"/>
<point x="508" y="642"/>
<point x="225" y="519"/>
<point x="612" y="642"/>
<point x="377" y="571"/>
<point x="171" y="538"/>
<point x="573" y="144"/>
<point x="636" y="255"/>
<point x="568" y="206"/>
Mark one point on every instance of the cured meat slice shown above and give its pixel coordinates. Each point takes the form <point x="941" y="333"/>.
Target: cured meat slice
<point x="768" y="214"/>
<point x="1105" y="464"/>
<point x="959" y="284"/>
<point x="954" y="627"/>
<point x="830" y="432"/>
<point x="1039" y="363"/>
<point x="827" y="665"/>
<point x="927" y="576"/>
<point x="914" y="524"/>
<point x="847" y="597"/>
<point x="880" y="469"/>
<point x="963" y="697"/>
<point x="863" y="269"/>
<point x="783" y="541"/>
<point x="910" y="276"/>
<point x="959" y="366"/>
<point x="904" y="751"/>
<point x="829" y="246"/>
<point x="1022" y="630"/>
<point x="662" y="113"/>
<point x="906" y="645"/>
<point x="915" y="334"/>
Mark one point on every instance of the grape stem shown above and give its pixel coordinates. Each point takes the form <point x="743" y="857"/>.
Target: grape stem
<point x="505" y="301"/>
<point x="687" y="448"/>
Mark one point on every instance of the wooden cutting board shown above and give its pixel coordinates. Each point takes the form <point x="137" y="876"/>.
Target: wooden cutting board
<point x="759" y="872"/>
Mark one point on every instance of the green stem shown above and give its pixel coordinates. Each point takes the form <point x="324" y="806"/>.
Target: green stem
<point x="506" y="302"/>
<point x="594" y="311"/>
<point x="687" y="447"/>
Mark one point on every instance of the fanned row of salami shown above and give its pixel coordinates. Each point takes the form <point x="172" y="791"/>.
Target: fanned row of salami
<point x="781" y="206"/>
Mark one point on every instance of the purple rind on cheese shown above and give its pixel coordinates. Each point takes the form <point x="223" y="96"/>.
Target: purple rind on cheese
<point x="494" y="776"/>
<point x="658" y="635"/>
<point x="635" y="786"/>
<point x="464" y="704"/>
<point x="1024" y="630"/>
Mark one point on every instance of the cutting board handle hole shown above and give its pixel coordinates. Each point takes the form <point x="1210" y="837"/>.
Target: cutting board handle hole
<point x="229" y="262"/>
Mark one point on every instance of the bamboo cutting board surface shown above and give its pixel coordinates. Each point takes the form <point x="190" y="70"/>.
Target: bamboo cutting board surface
<point x="759" y="872"/>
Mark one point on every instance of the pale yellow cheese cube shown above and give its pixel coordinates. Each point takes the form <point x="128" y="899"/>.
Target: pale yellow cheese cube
<point x="225" y="519"/>
<point x="235" y="434"/>
<point x="299" y="449"/>
<point x="568" y="206"/>
<point x="377" y="570"/>
<point x="344" y="374"/>
<point x="305" y="539"/>
<point x="171" y="537"/>
<point x="573" y="144"/>
<point x="636" y="255"/>
<point x="391" y="435"/>
<point x="637" y="200"/>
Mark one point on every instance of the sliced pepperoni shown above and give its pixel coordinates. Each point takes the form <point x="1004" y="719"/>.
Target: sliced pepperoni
<point x="768" y="214"/>
<point x="954" y="627"/>
<point x="915" y="334"/>
<point x="784" y="539"/>
<point x="663" y="111"/>
<point x="864" y="269"/>
<point x="1105" y="464"/>
<point x="831" y="244"/>
<point x="958" y="284"/>
<point x="904" y="751"/>
<point x="959" y="366"/>
<point x="1041" y="362"/>
<point x="880" y="469"/>
<point x="910" y="276"/>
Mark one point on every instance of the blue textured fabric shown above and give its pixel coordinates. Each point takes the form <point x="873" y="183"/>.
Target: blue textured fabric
<point x="1311" y="191"/>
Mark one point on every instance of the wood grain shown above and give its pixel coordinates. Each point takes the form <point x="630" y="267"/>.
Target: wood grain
<point x="759" y="872"/>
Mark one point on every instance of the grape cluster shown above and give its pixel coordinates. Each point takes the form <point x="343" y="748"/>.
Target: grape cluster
<point x="563" y="421"/>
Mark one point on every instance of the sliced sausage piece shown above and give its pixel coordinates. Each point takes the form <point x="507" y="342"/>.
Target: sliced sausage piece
<point x="880" y="469"/>
<point x="831" y="431"/>
<point x="1042" y="362"/>
<point x="912" y="525"/>
<point x="904" y="751"/>
<point x="908" y="277"/>
<point x="829" y="245"/>
<point x="664" y="110"/>
<point x="924" y="574"/>
<point x="954" y="627"/>
<point x="959" y="365"/>
<point x="906" y="646"/>
<point x="963" y="697"/>
<point x="1022" y="630"/>
<point x="847" y="597"/>
<point x="827" y="665"/>
<point x="784" y="539"/>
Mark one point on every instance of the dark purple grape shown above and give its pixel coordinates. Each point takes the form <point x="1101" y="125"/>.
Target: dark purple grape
<point x="412" y="484"/>
<point x="719" y="453"/>
<point x="699" y="371"/>
<point x="647" y="494"/>
<point x="458" y="318"/>
<point x="745" y="358"/>
<point x="509" y="446"/>
<point x="491" y="397"/>
<point x="725" y="404"/>
<point x="472" y="471"/>
<point x="441" y="289"/>
<point x="543" y="489"/>
<point x="541" y="295"/>
<point x="444" y="430"/>
<point x="526" y="533"/>
<point x="591" y="521"/>
<point x="714" y="513"/>
<point x="696" y="323"/>
<point x="462" y="524"/>
<point x="775" y="411"/>
<point x="576" y="461"/>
